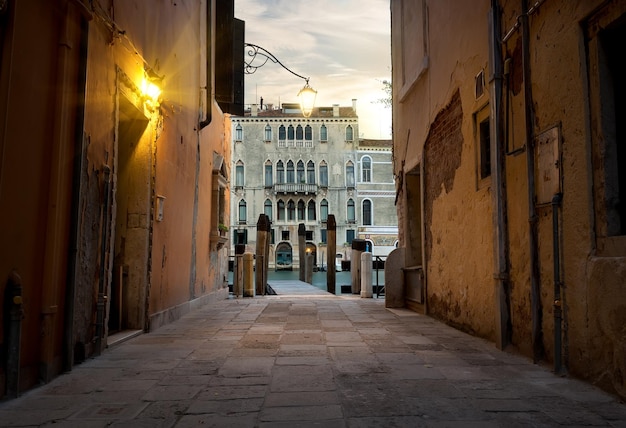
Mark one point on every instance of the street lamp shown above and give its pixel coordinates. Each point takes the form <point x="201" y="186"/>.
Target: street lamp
<point x="306" y="95"/>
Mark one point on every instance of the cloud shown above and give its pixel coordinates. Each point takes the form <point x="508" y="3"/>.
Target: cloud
<point x="343" y="46"/>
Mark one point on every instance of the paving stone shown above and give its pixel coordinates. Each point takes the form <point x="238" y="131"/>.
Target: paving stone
<point x="299" y="378"/>
<point x="306" y="398"/>
<point x="301" y="413"/>
<point x="247" y="366"/>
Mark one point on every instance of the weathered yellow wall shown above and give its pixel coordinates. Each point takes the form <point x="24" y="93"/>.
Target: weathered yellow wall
<point x="458" y="209"/>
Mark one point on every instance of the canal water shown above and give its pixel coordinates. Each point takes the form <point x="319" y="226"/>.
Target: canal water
<point x="319" y="278"/>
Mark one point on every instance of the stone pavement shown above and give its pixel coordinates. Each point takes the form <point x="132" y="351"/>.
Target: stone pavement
<point x="309" y="360"/>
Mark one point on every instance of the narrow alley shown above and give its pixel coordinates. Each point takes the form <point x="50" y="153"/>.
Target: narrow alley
<point x="307" y="358"/>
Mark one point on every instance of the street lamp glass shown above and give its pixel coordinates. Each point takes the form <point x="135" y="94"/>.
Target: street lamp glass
<point x="307" y="97"/>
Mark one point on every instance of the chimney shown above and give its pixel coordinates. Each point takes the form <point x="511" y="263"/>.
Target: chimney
<point x="335" y="110"/>
<point x="255" y="110"/>
<point x="354" y="105"/>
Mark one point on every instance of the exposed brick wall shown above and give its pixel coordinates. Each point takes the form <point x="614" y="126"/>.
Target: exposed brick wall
<point x="442" y="157"/>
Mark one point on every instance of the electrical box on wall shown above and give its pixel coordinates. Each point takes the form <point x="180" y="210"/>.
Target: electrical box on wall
<point x="548" y="164"/>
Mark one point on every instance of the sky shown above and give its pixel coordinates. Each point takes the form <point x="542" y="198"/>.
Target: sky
<point x="343" y="46"/>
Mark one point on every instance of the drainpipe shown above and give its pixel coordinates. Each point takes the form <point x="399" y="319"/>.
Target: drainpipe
<point x="535" y="284"/>
<point x="498" y="177"/>
<point x="558" y="312"/>
<point x="208" y="67"/>
<point x="102" y="298"/>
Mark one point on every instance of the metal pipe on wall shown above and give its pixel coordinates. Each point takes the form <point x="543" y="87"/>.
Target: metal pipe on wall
<point x="558" y="307"/>
<point x="535" y="284"/>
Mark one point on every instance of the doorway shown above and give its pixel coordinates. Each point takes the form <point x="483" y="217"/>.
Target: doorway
<point x="132" y="220"/>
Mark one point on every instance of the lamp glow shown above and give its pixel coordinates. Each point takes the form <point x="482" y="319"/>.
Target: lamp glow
<point x="307" y="97"/>
<point x="150" y="90"/>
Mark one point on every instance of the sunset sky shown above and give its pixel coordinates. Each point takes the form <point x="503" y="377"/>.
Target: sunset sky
<point x="343" y="46"/>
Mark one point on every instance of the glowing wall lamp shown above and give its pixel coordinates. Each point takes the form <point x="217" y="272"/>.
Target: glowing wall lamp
<point x="150" y="90"/>
<point x="306" y="95"/>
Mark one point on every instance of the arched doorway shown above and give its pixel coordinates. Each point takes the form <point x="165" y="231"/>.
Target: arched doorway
<point x="284" y="256"/>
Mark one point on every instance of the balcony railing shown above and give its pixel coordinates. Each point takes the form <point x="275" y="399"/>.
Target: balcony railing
<point x="295" y="188"/>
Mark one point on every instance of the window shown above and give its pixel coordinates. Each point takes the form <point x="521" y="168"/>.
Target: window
<point x="311" y="210"/>
<point x="282" y="136"/>
<point x="367" y="212"/>
<point x="300" y="172"/>
<point x="323" y="174"/>
<point x="299" y="133"/>
<point x="300" y="210"/>
<point x="268" y="174"/>
<point x="310" y="172"/>
<point x="267" y="209"/>
<point x="349" y="133"/>
<point x="323" y="133"/>
<point x="309" y="235"/>
<point x="349" y="236"/>
<point x="308" y="133"/>
<point x="324" y="234"/>
<point x="291" y="211"/>
<point x="239" y="174"/>
<point x="268" y="133"/>
<point x="485" y="149"/>
<point x="483" y="146"/>
<point x="366" y="169"/>
<point x="290" y="132"/>
<point x="351" y="211"/>
<point x="242" y="211"/>
<point x="238" y="133"/>
<point x="291" y="178"/>
<point x="280" y="209"/>
<point x="324" y="210"/>
<point x="350" y="174"/>
<point x="284" y="235"/>
<point x="280" y="172"/>
<point x="240" y="236"/>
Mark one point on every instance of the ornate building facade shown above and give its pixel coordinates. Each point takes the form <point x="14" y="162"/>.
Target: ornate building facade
<point x="298" y="170"/>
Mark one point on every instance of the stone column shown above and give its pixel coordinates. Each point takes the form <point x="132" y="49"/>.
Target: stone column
<point x="358" y="247"/>
<point x="302" y="251"/>
<point x="366" y="274"/>
<point x="248" y="274"/>
<point x="331" y="247"/>
<point x="238" y="277"/>
<point x="261" y="244"/>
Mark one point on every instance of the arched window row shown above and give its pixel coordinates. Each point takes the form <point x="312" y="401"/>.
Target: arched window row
<point x="291" y="172"/>
<point x="298" y="135"/>
<point x="297" y="210"/>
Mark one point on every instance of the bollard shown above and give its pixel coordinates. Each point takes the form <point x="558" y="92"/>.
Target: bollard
<point x="238" y="274"/>
<point x="331" y="239"/>
<point x="301" y="251"/>
<point x="358" y="247"/>
<point x="309" y="268"/>
<point x="266" y="255"/>
<point x="366" y="274"/>
<point x="262" y="235"/>
<point x="248" y="274"/>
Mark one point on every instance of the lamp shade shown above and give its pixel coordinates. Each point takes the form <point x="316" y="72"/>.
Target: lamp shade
<point x="307" y="97"/>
